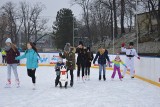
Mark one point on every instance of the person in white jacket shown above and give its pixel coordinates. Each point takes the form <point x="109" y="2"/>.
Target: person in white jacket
<point x="130" y="54"/>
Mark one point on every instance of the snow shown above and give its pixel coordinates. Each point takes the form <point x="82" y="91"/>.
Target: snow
<point x="93" y="93"/>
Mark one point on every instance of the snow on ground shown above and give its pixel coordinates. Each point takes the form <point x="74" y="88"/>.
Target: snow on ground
<point x="93" y="93"/>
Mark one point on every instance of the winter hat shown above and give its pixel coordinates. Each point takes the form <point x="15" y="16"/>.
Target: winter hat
<point x="88" y="48"/>
<point x="80" y="43"/>
<point x="131" y="43"/>
<point x="67" y="47"/>
<point x="8" y="40"/>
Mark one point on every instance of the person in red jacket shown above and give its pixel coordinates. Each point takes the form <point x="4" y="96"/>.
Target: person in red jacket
<point x="12" y="53"/>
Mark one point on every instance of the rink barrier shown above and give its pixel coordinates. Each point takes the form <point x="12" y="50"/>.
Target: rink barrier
<point x="147" y="69"/>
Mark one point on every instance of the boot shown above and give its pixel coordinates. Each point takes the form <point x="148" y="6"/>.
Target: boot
<point x="104" y="77"/>
<point x="99" y="77"/>
<point x="71" y="83"/>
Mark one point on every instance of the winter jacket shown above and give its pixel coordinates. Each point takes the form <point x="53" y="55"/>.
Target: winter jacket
<point x="81" y="56"/>
<point x="32" y="59"/>
<point x="3" y="53"/>
<point x="11" y="55"/>
<point x="102" y="55"/>
<point x="70" y="60"/>
<point x="89" y="57"/>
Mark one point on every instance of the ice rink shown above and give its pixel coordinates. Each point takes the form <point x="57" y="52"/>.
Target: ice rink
<point x="93" y="93"/>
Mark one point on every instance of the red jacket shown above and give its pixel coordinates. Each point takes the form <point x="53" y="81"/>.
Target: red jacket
<point x="11" y="56"/>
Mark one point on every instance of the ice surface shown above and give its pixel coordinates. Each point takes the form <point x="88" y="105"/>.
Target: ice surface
<point x="93" y="93"/>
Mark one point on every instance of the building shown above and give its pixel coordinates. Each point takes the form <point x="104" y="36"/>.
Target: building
<point x="147" y="22"/>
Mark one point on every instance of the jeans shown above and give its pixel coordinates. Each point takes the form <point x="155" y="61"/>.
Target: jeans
<point x="14" y="68"/>
<point x="102" y="67"/>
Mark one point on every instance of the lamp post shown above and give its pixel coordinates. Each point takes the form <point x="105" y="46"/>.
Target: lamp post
<point x="137" y="24"/>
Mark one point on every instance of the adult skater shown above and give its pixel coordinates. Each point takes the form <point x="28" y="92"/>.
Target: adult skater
<point x="102" y="55"/>
<point x="11" y="53"/>
<point x="32" y="61"/>
<point x="70" y="63"/>
<point x="130" y="53"/>
<point x="89" y="57"/>
<point x="80" y="60"/>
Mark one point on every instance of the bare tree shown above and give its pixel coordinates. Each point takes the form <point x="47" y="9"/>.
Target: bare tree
<point x="85" y="6"/>
<point x="32" y="23"/>
<point x="14" y="20"/>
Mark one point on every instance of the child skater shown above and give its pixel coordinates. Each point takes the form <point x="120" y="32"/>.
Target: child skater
<point x="31" y="55"/>
<point x="11" y="53"/>
<point x="117" y="61"/>
<point x="57" y="68"/>
<point x="3" y="52"/>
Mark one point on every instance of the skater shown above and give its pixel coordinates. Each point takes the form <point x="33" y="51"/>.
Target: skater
<point x="89" y="57"/>
<point x="70" y="63"/>
<point x="130" y="53"/>
<point x="32" y="61"/>
<point x="80" y="60"/>
<point x="57" y="69"/>
<point x="11" y="53"/>
<point x="3" y="52"/>
<point x="102" y="55"/>
<point x="117" y="61"/>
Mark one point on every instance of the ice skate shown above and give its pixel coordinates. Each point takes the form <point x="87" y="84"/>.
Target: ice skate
<point x="17" y="83"/>
<point x="34" y="87"/>
<point x="8" y="84"/>
<point x="71" y="83"/>
<point x="104" y="77"/>
<point x="99" y="77"/>
<point x="83" y="79"/>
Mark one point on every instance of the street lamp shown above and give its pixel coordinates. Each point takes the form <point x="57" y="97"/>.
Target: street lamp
<point x="137" y="23"/>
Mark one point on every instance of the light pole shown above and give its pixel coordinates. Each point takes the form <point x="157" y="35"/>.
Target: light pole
<point x="73" y="31"/>
<point x="137" y="24"/>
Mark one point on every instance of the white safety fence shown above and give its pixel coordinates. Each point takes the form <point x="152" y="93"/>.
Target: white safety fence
<point x="146" y="67"/>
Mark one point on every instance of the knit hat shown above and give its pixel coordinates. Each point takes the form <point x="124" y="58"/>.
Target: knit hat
<point x="88" y="48"/>
<point x="80" y="43"/>
<point x="131" y="43"/>
<point x="8" y="40"/>
<point x="67" y="47"/>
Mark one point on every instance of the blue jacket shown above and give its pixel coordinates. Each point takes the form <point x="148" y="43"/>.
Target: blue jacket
<point x="32" y="59"/>
<point x="102" y="57"/>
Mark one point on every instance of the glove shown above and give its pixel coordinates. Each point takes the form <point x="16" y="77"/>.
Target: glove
<point x="123" y="44"/>
<point x="138" y="58"/>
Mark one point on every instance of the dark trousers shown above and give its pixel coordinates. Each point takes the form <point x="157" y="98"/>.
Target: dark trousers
<point x="57" y="80"/>
<point x="79" y="69"/>
<point x="31" y="73"/>
<point x="3" y="59"/>
<point x="71" y="74"/>
<point x="87" y="71"/>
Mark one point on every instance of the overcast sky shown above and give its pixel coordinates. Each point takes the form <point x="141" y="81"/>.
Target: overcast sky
<point x="52" y="6"/>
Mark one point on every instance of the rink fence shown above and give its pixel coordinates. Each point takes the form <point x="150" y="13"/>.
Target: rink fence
<point x="146" y="69"/>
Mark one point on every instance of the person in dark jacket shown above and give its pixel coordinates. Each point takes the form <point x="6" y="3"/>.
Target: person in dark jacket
<point x="80" y="60"/>
<point x="102" y="55"/>
<point x="12" y="53"/>
<point x="89" y="58"/>
<point x="70" y="63"/>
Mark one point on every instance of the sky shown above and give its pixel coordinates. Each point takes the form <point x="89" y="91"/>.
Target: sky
<point x="52" y="6"/>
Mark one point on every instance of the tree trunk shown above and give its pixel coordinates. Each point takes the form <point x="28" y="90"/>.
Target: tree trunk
<point x="122" y="16"/>
<point x="115" y="19"/>
<point x="158" y="19"/>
